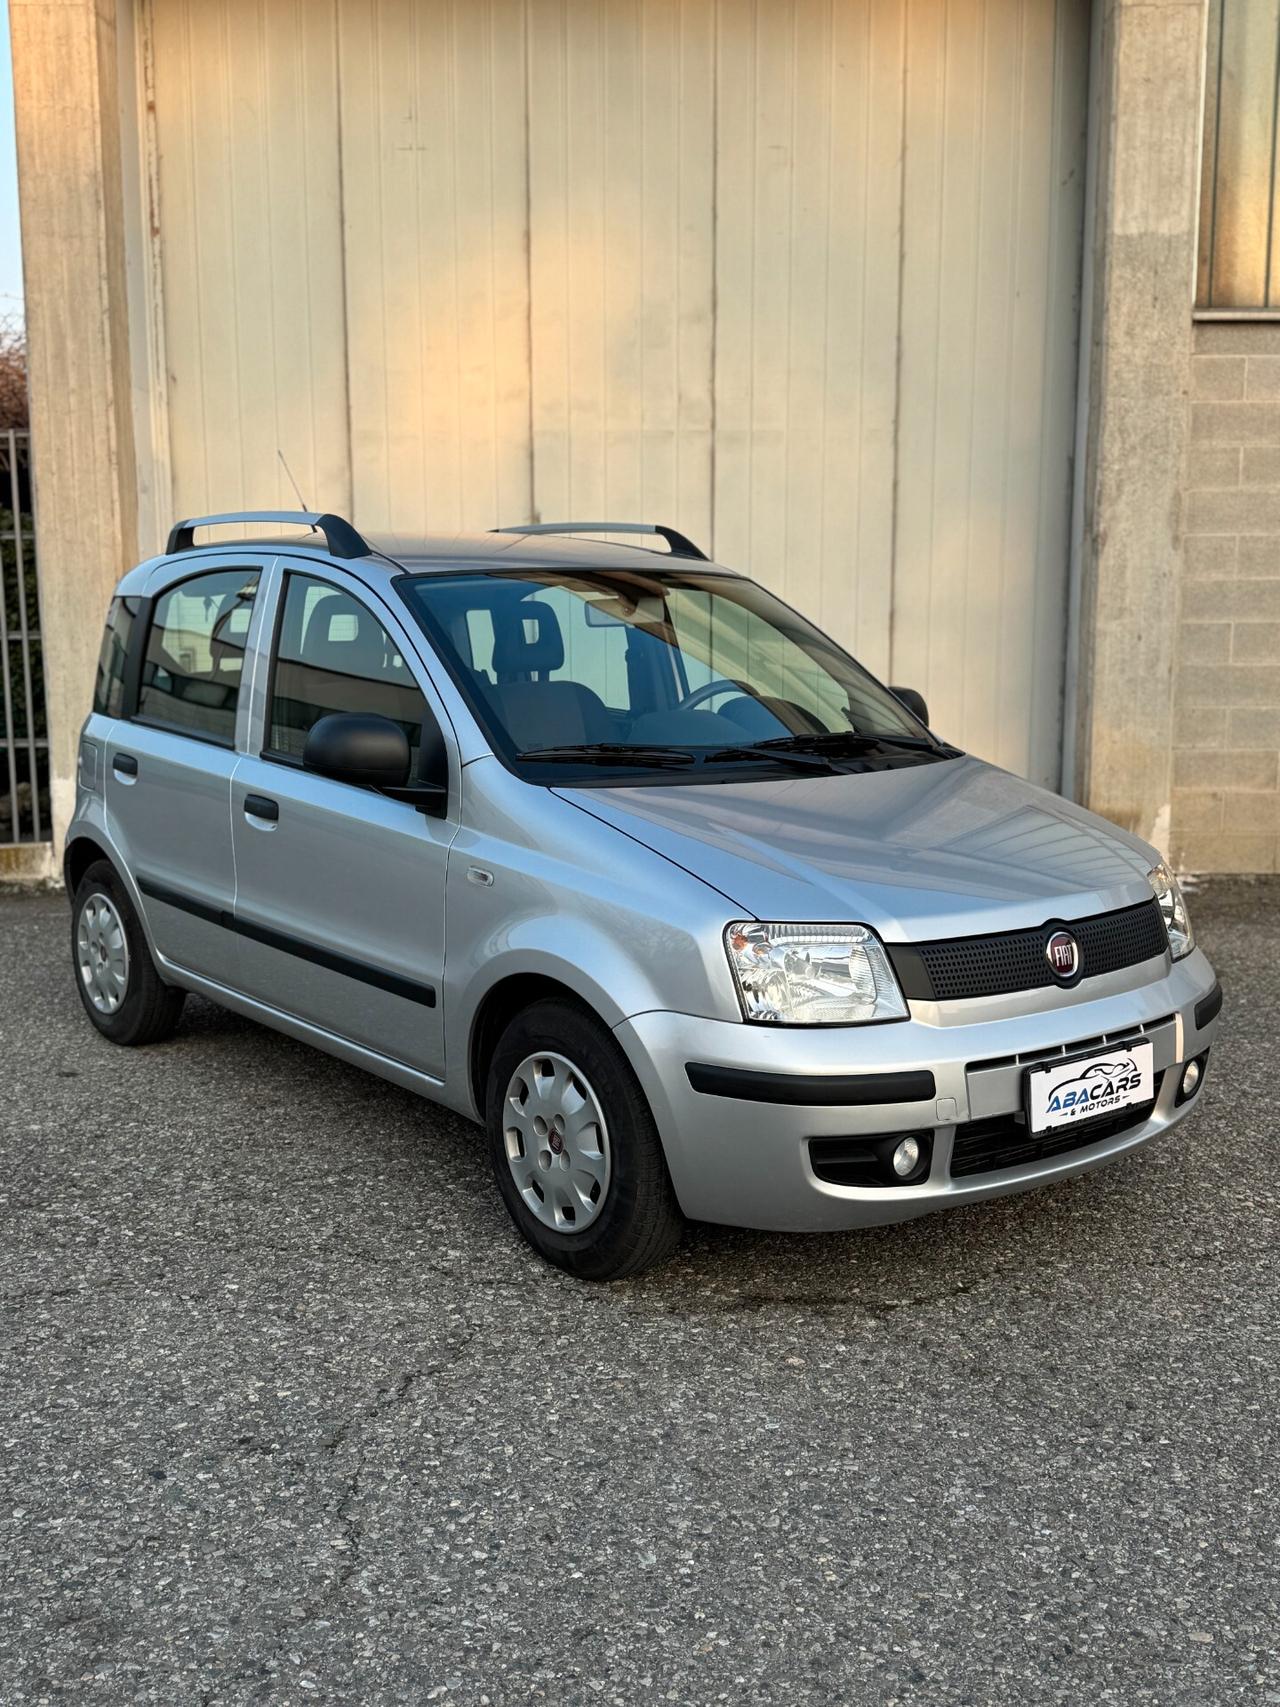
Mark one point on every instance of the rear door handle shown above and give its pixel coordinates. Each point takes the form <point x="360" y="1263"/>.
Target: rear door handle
<point x="124" y="764"/>
<point x="259" y="806"/>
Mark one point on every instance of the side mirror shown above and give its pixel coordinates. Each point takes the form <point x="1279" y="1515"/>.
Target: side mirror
<point x="914" y="702"/>
<point x="358" y="747"/>
<point x="373" y="752"/>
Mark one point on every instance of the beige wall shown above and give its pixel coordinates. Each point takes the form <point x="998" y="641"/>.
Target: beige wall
<point x="1226" y="761"/>
<point x="73" y="227"/>
<point x="1142" y="244"/>
<point x="394" y="275"/>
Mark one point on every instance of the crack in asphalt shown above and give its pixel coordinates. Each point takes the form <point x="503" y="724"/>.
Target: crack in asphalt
<point x="348" y="1433"/>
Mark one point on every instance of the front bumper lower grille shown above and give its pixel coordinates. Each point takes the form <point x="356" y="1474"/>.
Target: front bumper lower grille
<point x="961" y="968"/>
<point x="1004" y="1140"/>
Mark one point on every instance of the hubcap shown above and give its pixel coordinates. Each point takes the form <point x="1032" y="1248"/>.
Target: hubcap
<point x="557" y="1142"/>
<point x="102" y="953"/>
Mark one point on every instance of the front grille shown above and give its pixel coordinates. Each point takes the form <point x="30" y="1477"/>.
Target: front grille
<point x="960" y="968"/>
<point x="1004" y="1141"/>
<point x="1076" y="1046"/>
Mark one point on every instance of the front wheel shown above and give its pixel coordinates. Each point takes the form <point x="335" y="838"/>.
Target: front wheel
<point x="574" y="1147"/>
<point x="122" y="992"/>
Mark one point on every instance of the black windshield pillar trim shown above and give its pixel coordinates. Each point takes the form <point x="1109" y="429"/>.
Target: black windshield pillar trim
<point x="135" y="653"/>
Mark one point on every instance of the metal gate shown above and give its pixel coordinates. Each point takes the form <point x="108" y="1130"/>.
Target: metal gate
<point x="24" y="738"/>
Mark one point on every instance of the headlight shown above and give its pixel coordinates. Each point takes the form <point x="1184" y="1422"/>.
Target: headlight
<point x="812" y="974"/>
<point x="1173" y="909"/>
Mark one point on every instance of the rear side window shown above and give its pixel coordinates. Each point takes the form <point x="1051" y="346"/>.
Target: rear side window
<point x="108" y="688"/>
<point x="332" y="654"/>
<point x="195" y="655"/>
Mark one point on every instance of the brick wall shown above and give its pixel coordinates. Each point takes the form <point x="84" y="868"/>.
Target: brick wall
<point x="1226" y="759"/>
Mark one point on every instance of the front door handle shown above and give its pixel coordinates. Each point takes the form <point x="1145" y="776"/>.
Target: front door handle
<point x="124" y="764"/>
<point x="259" y="806"/>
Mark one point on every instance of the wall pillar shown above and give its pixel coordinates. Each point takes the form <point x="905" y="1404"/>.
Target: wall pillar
<point x="1142" y="241"/>
<point x="66" y="82"/>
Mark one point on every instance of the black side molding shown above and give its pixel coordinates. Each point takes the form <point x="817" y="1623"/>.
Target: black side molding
<point x="1209" y="1007"/>
<point x="184" y="903"/>
<point x="395" y="985"/>
<point x="813" y="1090"/>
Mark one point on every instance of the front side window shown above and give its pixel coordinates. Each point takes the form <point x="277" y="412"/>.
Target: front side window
<point x="194" y="660"/>
<point x="671" y="671"/>
<point x="333" y="655"/>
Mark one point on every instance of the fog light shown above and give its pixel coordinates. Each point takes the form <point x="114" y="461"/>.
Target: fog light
<point x="1190" y="1079"/>
<point x="906" y="1157"/>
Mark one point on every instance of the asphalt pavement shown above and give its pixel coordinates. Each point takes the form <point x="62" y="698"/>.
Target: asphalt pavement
<point x="289" y="1414"/>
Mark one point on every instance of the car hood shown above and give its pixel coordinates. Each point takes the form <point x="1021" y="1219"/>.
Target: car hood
<point x="947" y="849"/>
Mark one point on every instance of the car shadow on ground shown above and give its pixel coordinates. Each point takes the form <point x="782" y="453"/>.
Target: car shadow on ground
<point x="1075" y="1232"/>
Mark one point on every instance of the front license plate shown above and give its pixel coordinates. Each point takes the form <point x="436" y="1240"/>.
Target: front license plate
<point x="1069" y="1093"/>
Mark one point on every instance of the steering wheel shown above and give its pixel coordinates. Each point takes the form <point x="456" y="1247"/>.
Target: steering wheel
<point x="709" y="689"/>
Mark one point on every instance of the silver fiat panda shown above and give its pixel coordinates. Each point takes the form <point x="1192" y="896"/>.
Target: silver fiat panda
<point x="608" y="849"/>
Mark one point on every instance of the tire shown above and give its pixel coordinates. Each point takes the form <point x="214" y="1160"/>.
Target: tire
<point x="145" y="1008"/>
<point x="578" y="1070"/>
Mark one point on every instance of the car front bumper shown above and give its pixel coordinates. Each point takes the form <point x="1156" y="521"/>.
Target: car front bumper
<point x="740" y="1154"/>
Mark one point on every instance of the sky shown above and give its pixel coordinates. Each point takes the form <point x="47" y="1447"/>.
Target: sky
<point x="10" y="249"/>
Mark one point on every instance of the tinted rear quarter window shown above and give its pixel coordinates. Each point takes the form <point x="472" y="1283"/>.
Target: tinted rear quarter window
<point x="108" y="688"/>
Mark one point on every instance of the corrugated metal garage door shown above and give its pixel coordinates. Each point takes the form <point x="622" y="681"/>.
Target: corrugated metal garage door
<point x="800" y="277"/>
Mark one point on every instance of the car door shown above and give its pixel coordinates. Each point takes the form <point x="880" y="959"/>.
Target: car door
<point x="171" y="757"/>
<point x="340" y="891"/>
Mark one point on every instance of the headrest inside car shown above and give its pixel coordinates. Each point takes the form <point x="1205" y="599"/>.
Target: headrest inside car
<point x="527" y="641"/>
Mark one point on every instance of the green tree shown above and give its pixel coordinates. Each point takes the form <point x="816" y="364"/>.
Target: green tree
<point x="13" y="374"/>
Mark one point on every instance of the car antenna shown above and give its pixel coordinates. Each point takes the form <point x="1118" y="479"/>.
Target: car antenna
<point x="302" y="502"/>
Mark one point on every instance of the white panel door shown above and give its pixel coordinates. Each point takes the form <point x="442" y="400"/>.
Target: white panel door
<point x="799" y="277"/>
<point x="436" y="248"/>
<point x="804" y="281"/>
<point x="992" y="219"/>
<point x="621" y="198"/>
<point x="251" y="252"/>
<point x="808" y="233"/>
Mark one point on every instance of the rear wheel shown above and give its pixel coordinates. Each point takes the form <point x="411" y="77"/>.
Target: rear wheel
<point x="574" y="1147"/>
<point x="122" y="992"/>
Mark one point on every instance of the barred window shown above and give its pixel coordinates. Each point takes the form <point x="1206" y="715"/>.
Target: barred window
<point x="1239" y="260"/>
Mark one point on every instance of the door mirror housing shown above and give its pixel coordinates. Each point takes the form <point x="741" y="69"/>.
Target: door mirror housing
<point x="370" y="751"/>
<point x="358" y="747"/>
<point x="914" y="702"/>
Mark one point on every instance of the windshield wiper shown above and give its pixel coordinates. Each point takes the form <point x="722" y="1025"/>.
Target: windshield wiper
<point x="608" y="753"/>
<point x="766" y="752"/>
<point x="816" y="752"/>
<point x="623" y="753"/>
<point x="837" y="741"/>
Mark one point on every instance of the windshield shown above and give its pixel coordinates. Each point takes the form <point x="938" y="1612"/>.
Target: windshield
<point x="665" y="671"/>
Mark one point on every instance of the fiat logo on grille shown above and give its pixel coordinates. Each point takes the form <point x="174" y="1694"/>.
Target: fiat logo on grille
<point x="1062" y="951"/>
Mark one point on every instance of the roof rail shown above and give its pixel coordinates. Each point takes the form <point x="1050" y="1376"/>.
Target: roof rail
<point x="679" y="545"/>
<point x="340" y="537"/>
